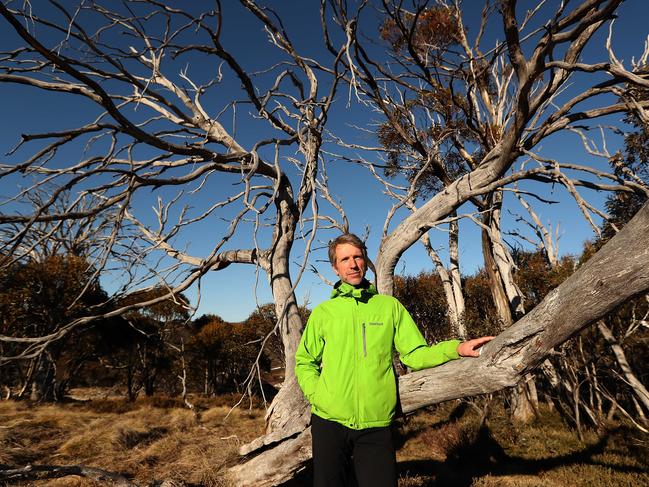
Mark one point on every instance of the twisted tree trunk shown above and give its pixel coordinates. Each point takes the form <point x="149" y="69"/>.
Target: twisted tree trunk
<point x="618" y="272"/>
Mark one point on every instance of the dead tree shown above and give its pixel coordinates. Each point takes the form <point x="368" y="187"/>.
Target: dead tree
<point x="450" y="277"/>
<point x="458" y="115"/>
<point x="456" y="124"/>
<point x="630" y="377"/>
<point x="154" y="128"/>
<point x="482" y="110"/>
<point x="579" y="301"/>
<point x="460" y="123"/>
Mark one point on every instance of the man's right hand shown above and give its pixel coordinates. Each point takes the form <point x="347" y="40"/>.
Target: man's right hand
<point x="471" y="348"/>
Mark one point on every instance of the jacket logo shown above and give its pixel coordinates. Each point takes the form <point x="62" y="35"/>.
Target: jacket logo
<point x="375" y="323"/>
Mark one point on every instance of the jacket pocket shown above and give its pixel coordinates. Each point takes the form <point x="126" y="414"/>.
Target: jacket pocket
<point x="376" y="341"/>
<point x="364" y="340"/>
<point x="321" y="397"/>
<point x="314" y="397"/>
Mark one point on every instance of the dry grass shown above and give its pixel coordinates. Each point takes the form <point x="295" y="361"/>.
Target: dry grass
<point x="144" y="442"/>
<point x="439" y="451"/>
<point x="152" y="440"/>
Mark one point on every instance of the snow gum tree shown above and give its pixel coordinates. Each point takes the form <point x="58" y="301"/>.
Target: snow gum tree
<point x="461" y="121"/>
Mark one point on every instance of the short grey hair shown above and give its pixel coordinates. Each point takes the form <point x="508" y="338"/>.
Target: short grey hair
<point x="346" y="238"/>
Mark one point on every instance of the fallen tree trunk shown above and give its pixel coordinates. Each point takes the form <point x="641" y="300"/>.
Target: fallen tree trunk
<point x="618" y="272"/>
<point x="42" y="472"/>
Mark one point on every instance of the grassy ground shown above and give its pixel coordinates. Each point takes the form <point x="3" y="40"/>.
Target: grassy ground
<point x="157" y="439"/>
<point x="151" y="439"/>
<point x="441" y="451"/>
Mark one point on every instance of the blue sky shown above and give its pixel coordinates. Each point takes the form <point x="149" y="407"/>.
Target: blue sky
<point x="230" y="293"/>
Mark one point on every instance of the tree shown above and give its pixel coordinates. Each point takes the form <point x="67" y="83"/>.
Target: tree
<point x="149" y="129"/>
<point x="460" y="121"/>
<point x="457" y="118"/>
<point x="156" y="331"/>
<point x="622" y="329"/>
<point x="578" y="302"/>
<point x="480" y="87"/>
<point x="423" y="297"/>
<point x="227" y="352"/>
<point x="37" y="298"/>
<point x="462" y="114"/>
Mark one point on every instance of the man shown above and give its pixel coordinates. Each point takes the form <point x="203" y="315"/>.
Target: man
<point x="344" y="367"/>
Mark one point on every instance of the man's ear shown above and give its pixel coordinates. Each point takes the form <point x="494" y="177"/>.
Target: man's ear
<point x="333" y="266"/>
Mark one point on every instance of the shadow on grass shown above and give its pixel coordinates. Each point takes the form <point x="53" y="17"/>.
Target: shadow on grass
<point x="401" y="437"/>
<point x="302" y="479"/>
<point x="486" y="456"/>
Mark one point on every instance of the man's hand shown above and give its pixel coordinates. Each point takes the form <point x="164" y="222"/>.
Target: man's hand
<point x="471" y="348"/>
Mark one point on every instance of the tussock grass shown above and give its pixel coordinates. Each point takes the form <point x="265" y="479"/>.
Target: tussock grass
<point x="147" y="440"/>
<point x="440" y="450"/>
<point x="153" y="440"/>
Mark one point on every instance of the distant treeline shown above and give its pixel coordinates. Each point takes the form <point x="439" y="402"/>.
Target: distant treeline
<point x="156" y="348"/>
<point x="159" y="349"/>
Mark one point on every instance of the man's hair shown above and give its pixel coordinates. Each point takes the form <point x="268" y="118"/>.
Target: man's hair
<point x="346" y="238"/>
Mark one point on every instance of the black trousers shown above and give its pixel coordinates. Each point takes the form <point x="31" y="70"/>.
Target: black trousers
<point x="341" y="453"/>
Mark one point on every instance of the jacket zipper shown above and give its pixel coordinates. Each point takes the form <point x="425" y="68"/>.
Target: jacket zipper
<point x="356" y="382"/>
<point x="364" y="341"/>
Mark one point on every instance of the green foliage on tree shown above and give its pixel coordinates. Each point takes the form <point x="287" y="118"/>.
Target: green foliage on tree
<point x="37" y="298"/>
<point x="226" y="352"/>
<point x="150" y="340"/>
<point x="423" y="297"/>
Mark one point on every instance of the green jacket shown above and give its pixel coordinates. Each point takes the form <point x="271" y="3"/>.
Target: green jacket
<point x="344" y="361"/>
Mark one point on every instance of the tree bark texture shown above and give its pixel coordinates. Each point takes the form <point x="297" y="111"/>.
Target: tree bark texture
<point x="451" y="278"/>
<point x="617" y="272"/>
<point x="507" y="297"/>
<point x="618" y="351"/>
<point x="276" y="466"/>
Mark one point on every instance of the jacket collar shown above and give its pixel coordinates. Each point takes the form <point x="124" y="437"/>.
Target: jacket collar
<point x="364" y="289"/>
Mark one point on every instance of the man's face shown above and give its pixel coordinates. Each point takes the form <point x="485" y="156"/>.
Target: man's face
<point x="350" y="265"/>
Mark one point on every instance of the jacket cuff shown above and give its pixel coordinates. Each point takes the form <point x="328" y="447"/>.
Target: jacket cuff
<point x="450" y="349"/>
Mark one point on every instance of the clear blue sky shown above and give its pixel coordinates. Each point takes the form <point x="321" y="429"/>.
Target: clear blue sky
<point x="230" y="292"/>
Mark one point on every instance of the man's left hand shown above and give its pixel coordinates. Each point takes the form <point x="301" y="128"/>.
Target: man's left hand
<point x="471" y="348"/>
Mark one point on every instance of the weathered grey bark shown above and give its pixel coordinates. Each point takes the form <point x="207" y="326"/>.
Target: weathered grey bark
<point x="289" y="409"/>
<point x="456" y="277"/>
<point x="290" y="324"/>
<point x="524" y="400"/>
<point x="502" y="262"/>
<point x="288" y="414"/>
<point x="617" y="272"/>
<point x="507" y="297"/>
<point x="451" y="279"/>
<point x="633" y="381"/>
<point x="276" y="466"/>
